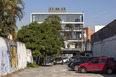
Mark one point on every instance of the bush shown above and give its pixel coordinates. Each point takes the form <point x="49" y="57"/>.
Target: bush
<point x="30" y="64"/>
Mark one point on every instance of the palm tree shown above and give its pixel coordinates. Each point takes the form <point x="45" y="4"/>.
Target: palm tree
<point x="10" y="11"/>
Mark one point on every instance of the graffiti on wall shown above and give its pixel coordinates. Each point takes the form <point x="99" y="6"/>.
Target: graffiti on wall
<point x="4" y="65"/>
<point x="13" y="54"/>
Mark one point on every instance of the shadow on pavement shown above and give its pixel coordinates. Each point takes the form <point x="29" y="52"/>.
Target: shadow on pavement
<point x="47" y="65"/>
<point x="101" y="73"/>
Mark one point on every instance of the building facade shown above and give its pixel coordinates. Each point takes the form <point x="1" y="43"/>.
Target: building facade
<point x="88" y="33"/>
<point x="104" y="41"/>
<point x="73" y="41"/>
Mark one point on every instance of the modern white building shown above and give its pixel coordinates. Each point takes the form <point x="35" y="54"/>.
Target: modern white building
<point x="74" y="42"/>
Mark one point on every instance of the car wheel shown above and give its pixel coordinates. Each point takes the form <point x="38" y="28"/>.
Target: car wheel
<point x="83" y="70"/>
<point x="109" y="71"/>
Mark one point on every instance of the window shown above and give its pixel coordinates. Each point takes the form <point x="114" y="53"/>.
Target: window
<point x="33" y="17"/>
<point x="103" y="60"/>
<point x="95" y="61"/>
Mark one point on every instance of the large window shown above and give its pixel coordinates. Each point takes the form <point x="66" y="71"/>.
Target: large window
<point x="64" y="17"/>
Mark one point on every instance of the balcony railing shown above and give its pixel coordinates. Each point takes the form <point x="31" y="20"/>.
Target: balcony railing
<point x="65" y="30"/>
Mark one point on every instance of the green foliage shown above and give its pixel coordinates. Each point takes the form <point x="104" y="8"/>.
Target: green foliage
<point x="10" y="11"/>
<point x="41" y="38"/>
<point x="54" y="21"/>
<point x="69" y="25"/>
<point x="32" y="64"/>
<point x="0" y="30"/>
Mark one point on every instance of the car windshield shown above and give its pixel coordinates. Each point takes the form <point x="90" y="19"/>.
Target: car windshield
<point x="64" y="58"/>
<point x="84" y="59"/>
<point x="72" y="58"/>
<point x="79" y="59"/>
<point x="58" y="59"/>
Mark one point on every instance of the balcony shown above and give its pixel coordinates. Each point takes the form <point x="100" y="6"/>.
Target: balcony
<point x="74" y="29"/>
<point x="65" y="30"/>
<point x="72" y="22"/>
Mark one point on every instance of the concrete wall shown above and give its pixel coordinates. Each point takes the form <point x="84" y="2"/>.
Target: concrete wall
<point x="4" y="57"/>
<point x="22" y="56"/>
<point x="104" y="41"/>
<point x="12" y="56"/>
<point x="106" y="47"/>
<point x="29" y="56"/>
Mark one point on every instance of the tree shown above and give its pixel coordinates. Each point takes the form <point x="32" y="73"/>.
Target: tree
<point x="41" y="39"/>
<point x="70" y="26"/>
<point x="54" y="20"/>
<point x="31" y="36"/>
<point x="10" y="11"/>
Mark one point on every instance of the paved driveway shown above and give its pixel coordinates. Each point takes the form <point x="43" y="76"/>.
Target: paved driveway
<point x="54" y="71"/>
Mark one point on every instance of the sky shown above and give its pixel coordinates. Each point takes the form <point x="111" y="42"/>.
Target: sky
<point x="96" y="12"/>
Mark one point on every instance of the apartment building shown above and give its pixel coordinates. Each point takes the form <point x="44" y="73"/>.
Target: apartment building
<point x="73" y="38"/>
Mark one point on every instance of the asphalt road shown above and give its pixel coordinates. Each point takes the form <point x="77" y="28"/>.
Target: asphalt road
<point x="54" y="71"/>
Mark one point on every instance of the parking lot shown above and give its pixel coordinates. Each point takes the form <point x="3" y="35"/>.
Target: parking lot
<point x="54" y="71"/>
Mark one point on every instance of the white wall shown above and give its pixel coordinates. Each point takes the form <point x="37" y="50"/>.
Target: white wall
<point x="29" y="56"/>
<point x="5" y="56"/>
<point x="98" y="27"/>
<point x="106" y="47"/>
<point x="22" y="56"/>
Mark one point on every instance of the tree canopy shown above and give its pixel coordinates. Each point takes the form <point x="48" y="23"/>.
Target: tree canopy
<point x="54" y="20"/>
<point x="41" y="38"/>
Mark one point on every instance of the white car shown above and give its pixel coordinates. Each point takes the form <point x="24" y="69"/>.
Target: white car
<point x="58" y="61"/>
<point x="65" y="60"/>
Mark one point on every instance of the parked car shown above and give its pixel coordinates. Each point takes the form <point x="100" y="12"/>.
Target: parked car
<point x="73" y="58"/>
<point x="58" y="61"/>
<point x="79" y="60"/>
<point x="66" y="59"/>
<point x="103" y="64"/>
